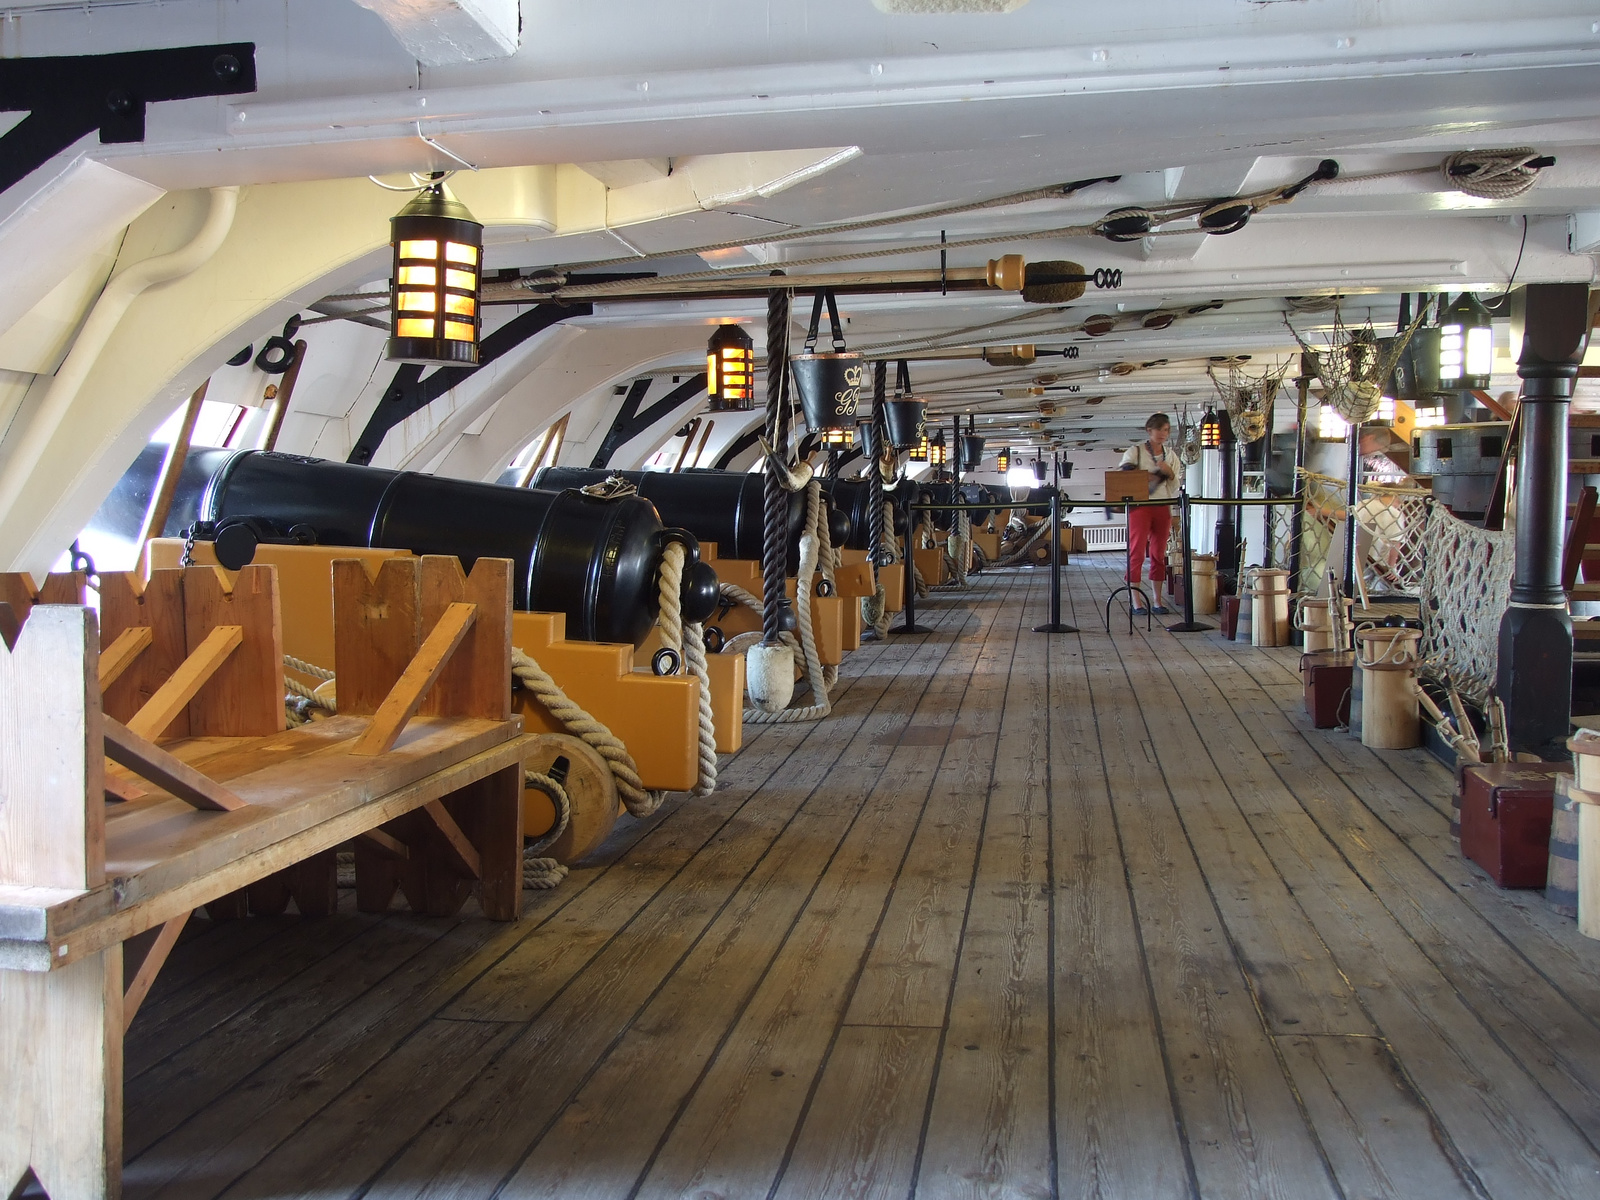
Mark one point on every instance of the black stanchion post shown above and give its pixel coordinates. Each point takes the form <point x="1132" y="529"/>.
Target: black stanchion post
<point x="1188" y="624"/>
<point x="1055" y="625"/>
<point x="909" y="624"/>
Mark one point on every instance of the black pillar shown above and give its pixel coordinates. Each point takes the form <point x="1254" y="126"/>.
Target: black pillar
<point x="1297" y="515"/>
<point x="1228" y="514"/>
<point x="1535" y="670"/>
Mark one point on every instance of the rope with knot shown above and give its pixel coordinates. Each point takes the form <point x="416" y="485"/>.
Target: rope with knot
<point x="816" y="555"/>
<point x="1493" y="174"/>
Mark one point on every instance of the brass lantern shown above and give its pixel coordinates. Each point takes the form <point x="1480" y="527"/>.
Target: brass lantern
<point x="938" y="452"/>
<point x="730" y="370"/>
<point x="837" y="439"/>
<point x="1210" y="430"/>
<point x="438" y="268"/>
<point x="1002" y="461"/>
<point x="921" y="451"/>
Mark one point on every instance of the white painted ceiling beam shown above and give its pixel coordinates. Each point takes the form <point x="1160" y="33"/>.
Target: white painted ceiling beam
<point x="442" y="33"/>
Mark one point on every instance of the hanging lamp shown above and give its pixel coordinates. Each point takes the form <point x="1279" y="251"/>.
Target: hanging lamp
<point x="438" y="271"/>
<point x="1210" y="430"/>
<point x="938" y="452"/>
<point x="1002" y="460"/>
<point x="1466" y="345"/>
<point x="730" y="370"/>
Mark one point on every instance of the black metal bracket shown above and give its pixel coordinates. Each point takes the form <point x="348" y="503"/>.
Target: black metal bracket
<point x="71" y="96"/>
<point x="409" y="392"/>
<point x="629" y="422"/>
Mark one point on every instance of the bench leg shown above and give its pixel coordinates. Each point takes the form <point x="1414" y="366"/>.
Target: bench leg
<point x="61" y="1078"/>
<point x="490" y="813"/>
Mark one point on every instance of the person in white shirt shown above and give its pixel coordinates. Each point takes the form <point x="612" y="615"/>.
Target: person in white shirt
<point x="1150" y="527"/>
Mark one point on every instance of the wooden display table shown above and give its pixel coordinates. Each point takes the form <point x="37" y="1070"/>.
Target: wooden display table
<point x="210" y="800"/>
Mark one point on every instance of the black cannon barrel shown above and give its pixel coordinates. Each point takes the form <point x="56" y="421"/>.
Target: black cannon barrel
<point x="948" y="493"/>
<point x="853" y="497"/>
<point x="598" y="561"/>
<point x="724" y="507"/>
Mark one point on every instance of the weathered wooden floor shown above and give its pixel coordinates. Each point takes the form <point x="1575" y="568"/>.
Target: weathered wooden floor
<point x="1027" y="916"/>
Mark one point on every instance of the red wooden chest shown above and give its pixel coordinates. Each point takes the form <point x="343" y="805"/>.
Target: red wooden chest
<point x="1505" y="820"/>
<point x="1328" y="676"/>
<point x="1228" y="608"/>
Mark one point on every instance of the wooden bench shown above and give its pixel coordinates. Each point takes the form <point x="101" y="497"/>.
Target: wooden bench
<point x="209" y="797"/>
<point x="656" y="717"/>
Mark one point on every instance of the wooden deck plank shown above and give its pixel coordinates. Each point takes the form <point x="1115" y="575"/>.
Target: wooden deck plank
<point x="862" y="1130"/>
<point x="989" y="1124"/>
<point x="1244" y="1130"/>
<point x="1409" y="791"/>
<point x="1378" y="1147"/>
<point x="906" y="979"/>
<point x="1501" y="1123"/>
<point x="198" y="1075"/>
<point x="1117" y="1130"/>
<point x="735" y="1131"/>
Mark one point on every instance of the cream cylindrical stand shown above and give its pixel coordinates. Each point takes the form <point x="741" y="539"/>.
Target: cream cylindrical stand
<point x="1205" y="582"/>
<point x="1313" y="619"/>
<point x="1269" y="603"/>
<point x="1388" y="660"/>
<point x="1586" y="799"/>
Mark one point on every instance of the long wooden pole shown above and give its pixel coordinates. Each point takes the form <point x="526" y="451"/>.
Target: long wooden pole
<point x="280" y="403"/>
<point x="155" y="516"/>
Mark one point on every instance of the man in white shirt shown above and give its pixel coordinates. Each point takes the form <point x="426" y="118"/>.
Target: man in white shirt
<point x="1150" y="527"/>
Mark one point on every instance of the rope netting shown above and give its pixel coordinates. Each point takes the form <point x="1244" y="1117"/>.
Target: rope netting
<point x="1391" y="533"/>
<point x="1466" y="586"/>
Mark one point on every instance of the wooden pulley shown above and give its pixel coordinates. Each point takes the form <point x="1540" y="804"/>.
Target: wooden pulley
<point x="590" y="789"/>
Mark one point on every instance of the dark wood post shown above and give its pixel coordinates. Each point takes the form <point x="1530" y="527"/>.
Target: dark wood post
<point x="1535" y="669"/>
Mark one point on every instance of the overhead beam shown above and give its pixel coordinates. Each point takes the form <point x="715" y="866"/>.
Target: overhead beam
<point x="68" y="97"/>
<point x="629" y="422"/>
<point x="408" y="392"/>
<point x="440" y="33"/>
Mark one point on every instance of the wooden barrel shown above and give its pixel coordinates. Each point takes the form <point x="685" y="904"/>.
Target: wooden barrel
<point x="1204" y="567"/>
<point x="1244" y="627"/>
<point x="1561" y="881"/>
<point x="1269" y="601"/>
<point x="1312" y="619"/>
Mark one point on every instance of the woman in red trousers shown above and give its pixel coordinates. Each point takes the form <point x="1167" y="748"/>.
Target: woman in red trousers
<point x="1150" y="527"/>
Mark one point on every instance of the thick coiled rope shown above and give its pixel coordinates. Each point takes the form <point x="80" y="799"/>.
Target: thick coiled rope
<point x="688" y="639"/>
<point x="1493" y="174"/>
<point x="539" y="872"/>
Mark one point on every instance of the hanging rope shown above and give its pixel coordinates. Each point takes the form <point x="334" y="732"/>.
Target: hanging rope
<point x="775" y="532"/>
<point x="689" y="642"/>
<point x="816" y="556"/>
